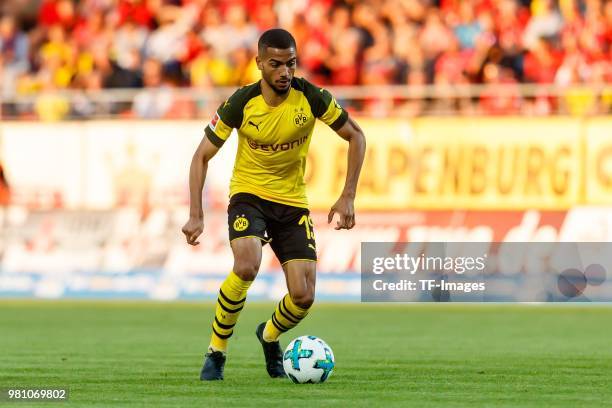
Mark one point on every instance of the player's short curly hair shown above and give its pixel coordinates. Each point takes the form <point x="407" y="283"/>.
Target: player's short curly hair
<point x="275" y="38"/>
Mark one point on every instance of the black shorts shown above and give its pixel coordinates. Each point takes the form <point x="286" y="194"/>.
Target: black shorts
<point x="288" y="229"/>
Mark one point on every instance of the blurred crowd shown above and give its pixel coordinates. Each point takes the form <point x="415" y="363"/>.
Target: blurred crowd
<point x="161" y="45"/>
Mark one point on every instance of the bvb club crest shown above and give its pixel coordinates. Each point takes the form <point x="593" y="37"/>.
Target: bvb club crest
<point x="241" y="223"/>
<point x="300" y="119"/>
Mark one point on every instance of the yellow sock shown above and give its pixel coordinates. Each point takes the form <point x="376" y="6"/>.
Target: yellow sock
<point x="285" y="317"/>
<point x="230" y="302"/>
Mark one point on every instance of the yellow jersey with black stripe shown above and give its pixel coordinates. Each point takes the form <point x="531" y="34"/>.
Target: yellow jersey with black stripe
<point x="273" y="141"/>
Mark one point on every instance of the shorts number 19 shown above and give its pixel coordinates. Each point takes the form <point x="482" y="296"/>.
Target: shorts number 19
<point x="309" y="225"/>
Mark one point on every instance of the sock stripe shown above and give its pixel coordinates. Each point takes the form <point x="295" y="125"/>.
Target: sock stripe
<point x="280" y="310"/>
<point x="231" y="302"/>
<point x="227" y="309"/>
<point x="222" y="336"/>
<point x="277" y="328"/>
<point x="288" y="311"/>
<point x="288" y="324"/>
<point x="278" y="325"/>
<point x="221" y="332"/>
<point x="223" y="326"/>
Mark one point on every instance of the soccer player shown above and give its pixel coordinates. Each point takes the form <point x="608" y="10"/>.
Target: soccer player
<point x="275" y="118"/>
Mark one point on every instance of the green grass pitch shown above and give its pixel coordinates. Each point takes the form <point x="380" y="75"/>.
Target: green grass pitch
<point x="150" y="354"/>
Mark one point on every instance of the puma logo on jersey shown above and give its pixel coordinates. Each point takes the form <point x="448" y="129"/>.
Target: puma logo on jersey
<point x="256" y="125"/>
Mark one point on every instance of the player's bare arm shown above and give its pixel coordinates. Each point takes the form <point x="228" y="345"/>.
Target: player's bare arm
<point x="197" y="175"/>
<point x="352" y="133"/>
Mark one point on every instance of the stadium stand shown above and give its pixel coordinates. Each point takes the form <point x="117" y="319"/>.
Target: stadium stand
<point x="168" y="46"/>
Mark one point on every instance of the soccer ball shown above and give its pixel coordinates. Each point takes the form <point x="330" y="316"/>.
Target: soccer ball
<point x="308" y="359"/>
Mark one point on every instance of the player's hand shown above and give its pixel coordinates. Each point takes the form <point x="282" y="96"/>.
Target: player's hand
<point x="346" y="210"/>
<point x="192" y="230"/>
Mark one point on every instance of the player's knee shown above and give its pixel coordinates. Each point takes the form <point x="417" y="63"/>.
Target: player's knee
<point x="246" y="270"/>
<point x="303" y="299"/>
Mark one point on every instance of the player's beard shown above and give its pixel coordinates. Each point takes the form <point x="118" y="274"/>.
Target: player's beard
<point x="279" y="91"/>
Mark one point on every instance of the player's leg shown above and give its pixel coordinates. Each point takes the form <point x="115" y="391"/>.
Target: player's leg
<point x="233" y="291"/>
<point x="230" y="301"/>
<point x="294" y="306"/>
<point x="247" y="231"/>
<point x="293" y="243"/>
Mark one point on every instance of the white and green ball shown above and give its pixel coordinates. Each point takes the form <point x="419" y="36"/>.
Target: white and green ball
<point x="308" y="359"/>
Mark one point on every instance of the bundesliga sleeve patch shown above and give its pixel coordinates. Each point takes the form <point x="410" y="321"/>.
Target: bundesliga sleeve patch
<point x="213" y="122"/>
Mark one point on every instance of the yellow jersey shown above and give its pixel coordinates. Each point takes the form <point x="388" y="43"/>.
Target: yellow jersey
<point x="273" y="141"/>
